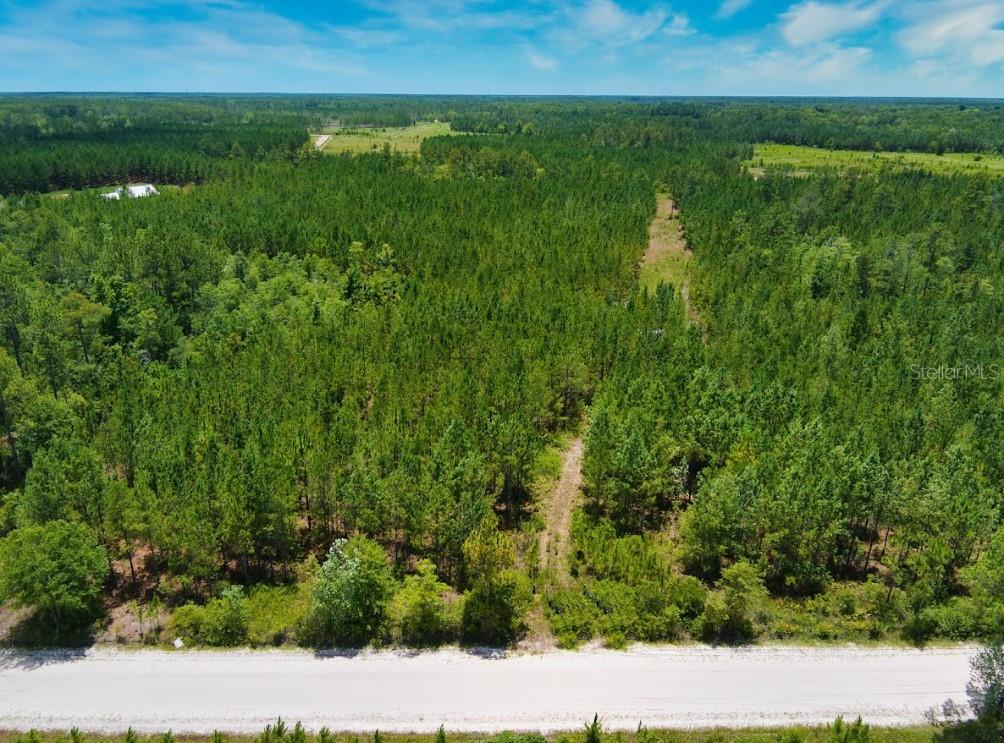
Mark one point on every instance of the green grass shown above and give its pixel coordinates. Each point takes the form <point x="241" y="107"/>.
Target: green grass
<point x="803" y="160"/>
<point x="669" y="268"/>
<point x="276" y="612"/>
<point x="818" y="734"/>
<point x="406" y="140"/>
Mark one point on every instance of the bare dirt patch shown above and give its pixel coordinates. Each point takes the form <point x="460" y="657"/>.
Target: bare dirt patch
<point x="11" y="617"/>
<point x="133" y="623"/>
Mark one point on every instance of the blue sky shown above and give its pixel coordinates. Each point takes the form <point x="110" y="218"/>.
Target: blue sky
<point x="686" y="47"/>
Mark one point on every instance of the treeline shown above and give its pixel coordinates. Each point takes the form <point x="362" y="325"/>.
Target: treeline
<point x="938" y="127"/>
<point x="37" y="118"/>
<point x="165" y="156"/>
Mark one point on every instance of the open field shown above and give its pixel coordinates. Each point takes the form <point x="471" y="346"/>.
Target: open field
<point x="407" y="139"/>
<point x="689" y="687"/>
<point x="803" y="160"/>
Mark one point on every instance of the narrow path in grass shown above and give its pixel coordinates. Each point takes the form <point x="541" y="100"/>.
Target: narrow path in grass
<point x="556" y="538"/>
<point x="666" y="259"/>
<point x="320" y="140"/>
<point x="668" y="256"/>
<point x="557" y="502"/>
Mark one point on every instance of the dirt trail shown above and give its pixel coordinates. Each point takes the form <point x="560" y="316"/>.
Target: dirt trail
<point x="320" y="140"/>
<point x="555" y="540"/>
<point x="106" y="691"/>
<point x="668" y="255"/>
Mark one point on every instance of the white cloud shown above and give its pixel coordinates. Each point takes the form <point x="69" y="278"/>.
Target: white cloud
<point x="962" y="30"/>
<point x="365" y="37"/>
<point x="217" y="44"/>
<point x="449" y="15"/>
<point x="540" y="61"/>
<point x="812" y="22"/>
<point x="730" y="7"/>
<point x="679" y="25"/>
<point x="837" y="63"/>
<point x="605" y="22"/>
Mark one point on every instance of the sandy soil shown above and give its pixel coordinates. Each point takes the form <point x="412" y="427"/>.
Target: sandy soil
<point x="320" y="140"/>
<point x="107" y="690"/>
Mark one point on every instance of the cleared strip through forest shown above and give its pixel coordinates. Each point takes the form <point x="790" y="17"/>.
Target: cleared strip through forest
<point x="190" y="692"/>
<point x="556" y="538"/>
<point x="668" y="256"/>
<point x="666" y="259"/>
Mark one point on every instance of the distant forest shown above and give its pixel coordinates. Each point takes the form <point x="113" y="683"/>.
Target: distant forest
<point x="317" y="399"/>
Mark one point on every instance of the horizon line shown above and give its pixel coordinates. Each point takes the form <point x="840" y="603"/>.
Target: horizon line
<point x="656" y="96"/>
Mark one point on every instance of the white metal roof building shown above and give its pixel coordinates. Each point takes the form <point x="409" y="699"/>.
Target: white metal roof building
<point x="135" y="191"/>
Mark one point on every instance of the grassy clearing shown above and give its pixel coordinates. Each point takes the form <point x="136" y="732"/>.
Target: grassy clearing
<point x="668" y="268"/>
<point x="407" y="139"/>
<point x="667" y="256"/>
<point x="804" y="160"/>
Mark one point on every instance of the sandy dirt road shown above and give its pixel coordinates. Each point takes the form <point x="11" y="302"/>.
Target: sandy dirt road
<point x="320" y="140"/>
<point x="107" y="690"/>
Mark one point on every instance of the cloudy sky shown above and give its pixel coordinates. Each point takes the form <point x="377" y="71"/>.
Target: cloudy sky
<point x="684" y="47"/>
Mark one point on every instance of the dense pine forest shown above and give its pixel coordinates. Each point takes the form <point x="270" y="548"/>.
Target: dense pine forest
<point x="322" y="399"/>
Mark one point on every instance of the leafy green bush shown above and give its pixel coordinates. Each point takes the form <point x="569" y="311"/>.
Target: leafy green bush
<point x="574" y="618"/>
<point x="277" y="612"/>
<point x="57" y="568"/>
<point x="729" y="613"/>
<point x="629" y="590"/>
<point x="418" y="614"/>
<point x="227" y="619"/>
<point x="350" y="594"/>
<point x="631" y="558"/>
<point x="188" y="623"/>
<point x="223" y="622"/>
<point x="500" y="594"/>
<point x="493" y="610"/>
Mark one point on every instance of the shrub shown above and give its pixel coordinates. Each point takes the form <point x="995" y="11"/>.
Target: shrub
<point x="494" y="610"/>
<point x="417" y="612"/>
<point x="574" y="618"/>
<point x="227" y="619"/>
<point x="728" y="615"/>
<point x="688" y="594"/>
<point x="350" y="594"/>
<point x="841" y="732"/>
<point x="276" y="612"/>
<point x="57" y="568"/>
<point x="500" y="595"/>
<point x="986" y="684"/>
<point x="188" y="622"/>
<point x="224" y="621"/>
